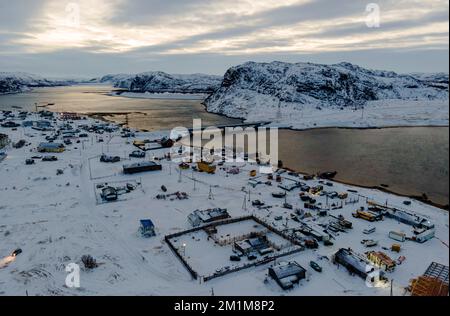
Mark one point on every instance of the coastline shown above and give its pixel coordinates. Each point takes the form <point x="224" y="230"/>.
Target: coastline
<point x="382" y="189"/>
<point x="101" y="116"/>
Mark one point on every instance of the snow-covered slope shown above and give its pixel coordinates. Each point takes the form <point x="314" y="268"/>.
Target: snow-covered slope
<point x="19" y="82"/>
<point x="253" y="87"/>
<point x="157" y="82"/>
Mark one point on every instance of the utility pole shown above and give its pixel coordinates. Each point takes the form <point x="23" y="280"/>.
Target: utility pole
<point x="244" y="204"/>
<point x="211" y="195"/>
<point x="392" y="285"/>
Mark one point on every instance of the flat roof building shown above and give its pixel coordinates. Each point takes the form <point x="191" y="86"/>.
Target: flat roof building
<point x="286" y="274"/>
<point x="198" y="217"/>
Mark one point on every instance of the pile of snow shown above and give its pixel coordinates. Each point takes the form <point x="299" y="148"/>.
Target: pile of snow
<point x="160" y="82"/>
<point x="253" y="88"/>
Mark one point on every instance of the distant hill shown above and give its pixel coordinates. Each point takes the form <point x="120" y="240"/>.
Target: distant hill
<point x="19" y="82"/>
<point x="157" y="82"/>
<point x="248" y="87"/>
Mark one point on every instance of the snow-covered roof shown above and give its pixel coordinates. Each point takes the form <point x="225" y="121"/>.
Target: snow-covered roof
<point x="147" y="223"/>
<point x="286" y="270"/>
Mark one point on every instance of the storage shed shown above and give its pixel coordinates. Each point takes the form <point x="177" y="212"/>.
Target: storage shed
<point x="198" y="217"/>
<point x="51" y="148"/>
<point x="141" y="167"/>
<point x="287" y="274"/>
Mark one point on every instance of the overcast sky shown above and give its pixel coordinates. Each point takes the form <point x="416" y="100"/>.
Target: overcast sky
<point x="94" y="37"/>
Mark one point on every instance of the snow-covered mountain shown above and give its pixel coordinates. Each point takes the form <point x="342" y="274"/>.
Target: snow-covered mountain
<point x="157" y="82"/>
<point x="252" y="86"/>
<point x="20" y="82"/>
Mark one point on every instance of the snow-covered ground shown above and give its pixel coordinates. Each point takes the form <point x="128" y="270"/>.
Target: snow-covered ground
<point x="385" y="113"/>
<point x="307" y="95"/>
<point x="55" y="220"/>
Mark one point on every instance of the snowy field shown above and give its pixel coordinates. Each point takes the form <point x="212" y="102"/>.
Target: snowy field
<point x="384" y="113"/>
<point x="55" y="220"/>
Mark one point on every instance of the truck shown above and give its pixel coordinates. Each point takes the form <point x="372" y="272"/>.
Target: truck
<point x="399" y="236"/>
<point x="206" y="167"/>
<point x="364" y="215"/>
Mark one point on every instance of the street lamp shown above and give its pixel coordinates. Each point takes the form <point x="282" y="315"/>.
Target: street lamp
<point x="184" y="249"/>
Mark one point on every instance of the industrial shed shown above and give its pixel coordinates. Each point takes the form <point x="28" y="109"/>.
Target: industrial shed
<point x="353" y="262"/>
<point x="141" y="167"/>
<point x="410" y="219"/>
<point x="287" y="274"/>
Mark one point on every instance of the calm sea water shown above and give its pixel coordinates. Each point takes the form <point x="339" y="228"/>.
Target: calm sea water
<point x="149" y="114"/>
<point x="412" y="160"/>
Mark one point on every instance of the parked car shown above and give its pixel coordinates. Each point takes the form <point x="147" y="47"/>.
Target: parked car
<point x="106" y="158"/>
<point x="10" y="124"/>
<point x="235" y="258"/>
<point x="333" y="195"/>
<point x="51" y="138"/>
<point x="29" y="162"/>
<point x="50" y="158"/>
<point x="109" y="194"/>
<point x="16" y="252"/>
<point x="19" y="144"/>
<point x="315" y="266"/>
<point x="137" y="154"/>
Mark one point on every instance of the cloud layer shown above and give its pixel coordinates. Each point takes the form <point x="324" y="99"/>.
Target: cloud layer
<point x="157" y="30"/>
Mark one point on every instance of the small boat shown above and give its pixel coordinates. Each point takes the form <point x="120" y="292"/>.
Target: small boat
<point x="328" y="175"/>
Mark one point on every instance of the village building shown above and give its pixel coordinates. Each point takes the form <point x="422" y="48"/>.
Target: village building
<point x="354" y="263"/>
<point x="382" y="260"/>
<point x="287" y="274"/>
<point x="409" y="218"/>
<point x="67" y="116"/>
<point x="258" y="244"/>
<point x="42" y="125"/>
<point x="198" y="217"/>
<point x="141" y="167"/>
<point x="51" y="148"/>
